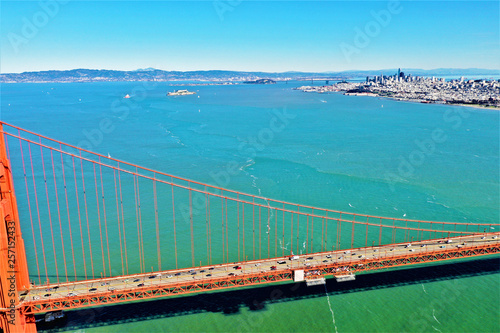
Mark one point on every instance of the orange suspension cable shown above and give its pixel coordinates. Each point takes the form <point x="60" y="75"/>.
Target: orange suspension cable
<point x="203" y="184"/>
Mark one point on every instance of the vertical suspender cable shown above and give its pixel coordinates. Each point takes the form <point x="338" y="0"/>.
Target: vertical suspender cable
<point x="157" y="225"/>
<point x="87" y="216"/>
<point x="123" y="219"/>
<point x="291" y="233"/>
<point x="298" y="218"/>
<point x="275" y="232"/>
<point x="238" y="212"/>
<point x="283" y="241"/>
<point x="260" y="236"/>
<point x="118" y="221"/>
<point x="222" y="223"/>
<point x="352" y="232"/>
<point x="105" y="218"/>
<point x="340" y="233"/>
<point x="38" y="212"/>
<point x="99" y="220"/>
<point x="209" y="229"/>
<point x="243" y="222"/>
<point x="48" y="209"/>
<point x="59" y="216"/>
<point x="29" y="210"/>
<point x="191" y="223"/>
<point x="227" y="238"/>
<point x="137" y="222"/>
<point x="326" y="231"/>
<point x="253" y="226"/>
<point x="140" y="221"/>
<point x="268" y="232"/>
<point x="307" y="234"/>
<point x="366" y="237"/>
<point x="312" y="232"/>
<point x="173" y="215"/>
<point x="380" y="233"/>
<point x="79" y="217"/>
<point x="67" y="210"/>
<point x="207" y="225"/>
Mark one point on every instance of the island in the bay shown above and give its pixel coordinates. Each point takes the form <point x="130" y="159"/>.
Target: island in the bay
<point x="181" y="92"/>
<point x="261" y="81"/>
<point x="485" y="93"/>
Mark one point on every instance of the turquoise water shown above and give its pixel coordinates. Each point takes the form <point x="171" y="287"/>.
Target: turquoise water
<point x="357" y="154"/>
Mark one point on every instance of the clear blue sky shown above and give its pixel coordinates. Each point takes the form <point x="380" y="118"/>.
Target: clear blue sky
<point x="248" y="35"/>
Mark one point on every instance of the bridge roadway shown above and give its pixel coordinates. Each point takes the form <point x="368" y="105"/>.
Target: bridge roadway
<point x="307" y="262"/>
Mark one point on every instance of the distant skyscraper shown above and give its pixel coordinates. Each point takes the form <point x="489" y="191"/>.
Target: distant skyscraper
<point x="399" y="72"/>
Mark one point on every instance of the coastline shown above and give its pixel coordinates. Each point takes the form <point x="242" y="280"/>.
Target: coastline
<point x="419" y="101"/>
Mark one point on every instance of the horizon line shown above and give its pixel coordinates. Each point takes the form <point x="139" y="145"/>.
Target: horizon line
<point x="256" y="71"/>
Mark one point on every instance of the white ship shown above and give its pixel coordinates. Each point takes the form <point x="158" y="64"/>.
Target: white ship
<point x="181" y="93"/>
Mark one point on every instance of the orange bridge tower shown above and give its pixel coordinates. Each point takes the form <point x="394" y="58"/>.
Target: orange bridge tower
<point x="13" y="266"/>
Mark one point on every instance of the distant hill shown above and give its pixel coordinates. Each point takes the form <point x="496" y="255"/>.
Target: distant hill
<point x="152" y="74"/>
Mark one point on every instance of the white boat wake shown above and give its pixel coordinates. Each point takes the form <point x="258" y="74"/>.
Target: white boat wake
<point x="331" y="310"/>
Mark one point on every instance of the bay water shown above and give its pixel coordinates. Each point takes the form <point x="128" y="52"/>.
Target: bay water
<point x="350" y="153"/>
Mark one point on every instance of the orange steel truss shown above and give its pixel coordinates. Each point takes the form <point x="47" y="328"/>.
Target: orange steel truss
<point x="151" y="292"/>
<point x="13" y="267"/>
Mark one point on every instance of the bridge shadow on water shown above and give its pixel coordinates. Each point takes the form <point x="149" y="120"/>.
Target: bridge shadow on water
<point x="230" y="302"/>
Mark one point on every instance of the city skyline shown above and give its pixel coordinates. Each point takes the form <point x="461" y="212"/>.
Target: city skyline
<point x="277" y="36"/>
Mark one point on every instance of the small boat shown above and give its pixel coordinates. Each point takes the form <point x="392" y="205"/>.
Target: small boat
<point x="127" y="96"/>
<point x="181" y="92"/>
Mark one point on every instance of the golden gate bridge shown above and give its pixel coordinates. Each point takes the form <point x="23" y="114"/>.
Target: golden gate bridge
<point x="97" y="230"/>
